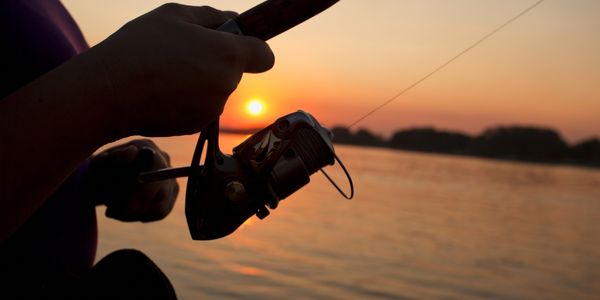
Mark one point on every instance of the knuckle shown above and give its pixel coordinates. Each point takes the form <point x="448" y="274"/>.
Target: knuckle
<point x="230" y="14"/>
<point x="210" y="10"/>
<point x="144" y="143"/>
<point x="129" y="25"/>
<point x="166" y="156"/>
<point x="169" y="7"/>
<point x="212" y="14"/>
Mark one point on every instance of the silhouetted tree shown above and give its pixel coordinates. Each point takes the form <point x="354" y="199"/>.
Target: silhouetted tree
<point x="362" y="137"/>
<point x="342" y="135"/>
<point x="430" y="140"/>
<point x="366" y="138"/>
<point x="587" y="152"/>
<point x="513" y="142"/>
<point x="522" y="143"/>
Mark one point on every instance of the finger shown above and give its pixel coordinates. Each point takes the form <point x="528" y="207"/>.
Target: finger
<point x="257" y="55"/>
<point x="147" y="156"/>
<point x="127" y="209"/>
<point x="119" y="155"/>
<point x="143" y="143"/>
<point x="200" y="15"/>
<point x="138" y="143"/>
<point x="141" y="203"/>
<point x="117" y="148"/>
<point x="159" y="160"/>
<point x="158" y="207"/>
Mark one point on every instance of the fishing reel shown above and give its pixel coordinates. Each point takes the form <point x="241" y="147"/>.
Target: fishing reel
<point x="226" y="190"/>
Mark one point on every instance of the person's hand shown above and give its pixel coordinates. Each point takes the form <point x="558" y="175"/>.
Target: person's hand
<point x="171" y="73"/>
<point x="113" y="181"/>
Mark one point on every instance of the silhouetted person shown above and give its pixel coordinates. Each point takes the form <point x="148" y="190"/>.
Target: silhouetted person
<point x="165" y="73"/>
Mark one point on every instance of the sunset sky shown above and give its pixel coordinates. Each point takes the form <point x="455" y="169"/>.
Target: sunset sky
<point x="542" y="70"/>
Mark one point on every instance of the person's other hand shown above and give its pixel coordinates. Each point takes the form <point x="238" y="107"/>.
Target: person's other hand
<point x="113" y="181"/>
<point x="171" y="73"/>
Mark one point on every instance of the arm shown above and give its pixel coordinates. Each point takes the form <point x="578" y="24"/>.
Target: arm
<point x="162" y="74"/>
<point x="46" y="129"/>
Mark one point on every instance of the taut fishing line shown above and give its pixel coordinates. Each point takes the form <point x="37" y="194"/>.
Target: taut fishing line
<point x="444" y="65"/>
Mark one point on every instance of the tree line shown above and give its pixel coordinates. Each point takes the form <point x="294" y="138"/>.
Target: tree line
<point x="519" y="143"/>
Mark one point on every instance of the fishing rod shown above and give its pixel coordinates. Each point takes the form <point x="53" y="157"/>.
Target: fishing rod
<point x="223" y="191"/>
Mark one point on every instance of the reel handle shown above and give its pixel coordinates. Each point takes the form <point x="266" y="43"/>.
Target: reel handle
<point x="164" y="174"/>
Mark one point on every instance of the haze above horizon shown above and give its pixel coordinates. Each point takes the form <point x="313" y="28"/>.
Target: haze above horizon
<point x="543" y="70"/>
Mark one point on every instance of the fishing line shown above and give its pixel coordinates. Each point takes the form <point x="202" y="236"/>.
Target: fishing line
<point x="442" y="66"/>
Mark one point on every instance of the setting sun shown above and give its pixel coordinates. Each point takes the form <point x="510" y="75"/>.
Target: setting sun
<point x="255" y="107"/>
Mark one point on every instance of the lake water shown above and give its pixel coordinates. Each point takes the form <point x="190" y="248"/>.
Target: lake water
<point x="420" y="226"/>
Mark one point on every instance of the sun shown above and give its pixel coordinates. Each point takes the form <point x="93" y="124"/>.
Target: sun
<point x="255" y="107"/>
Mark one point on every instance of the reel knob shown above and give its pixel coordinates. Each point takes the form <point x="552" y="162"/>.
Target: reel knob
<point x="235" y="191"/>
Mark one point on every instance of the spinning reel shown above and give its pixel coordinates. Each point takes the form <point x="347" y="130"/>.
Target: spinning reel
<point x="266" y="168"/>
<point x="270" y="165"/>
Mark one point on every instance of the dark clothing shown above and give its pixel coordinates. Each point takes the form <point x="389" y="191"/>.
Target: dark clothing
<point x="58" y="243"/>
<point x="37" y="36"/>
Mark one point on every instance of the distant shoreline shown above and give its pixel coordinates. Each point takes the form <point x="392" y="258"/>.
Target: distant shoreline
<point x="511" y="143"/>
<point x="239" y="130"/>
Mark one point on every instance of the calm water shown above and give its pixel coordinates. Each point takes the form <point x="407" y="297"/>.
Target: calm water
<point x="421" y="226"/>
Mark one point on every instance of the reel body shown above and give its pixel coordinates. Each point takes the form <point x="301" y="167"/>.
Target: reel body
<point x="267" y="167"/>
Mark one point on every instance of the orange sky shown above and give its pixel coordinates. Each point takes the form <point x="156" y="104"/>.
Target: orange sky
<point x="542" y="70"/>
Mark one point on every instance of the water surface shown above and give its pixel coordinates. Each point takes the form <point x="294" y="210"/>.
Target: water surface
<point x="421" y="226"/>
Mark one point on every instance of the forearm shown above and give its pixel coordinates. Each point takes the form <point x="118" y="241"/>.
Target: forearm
<point x="47" y="129"/>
